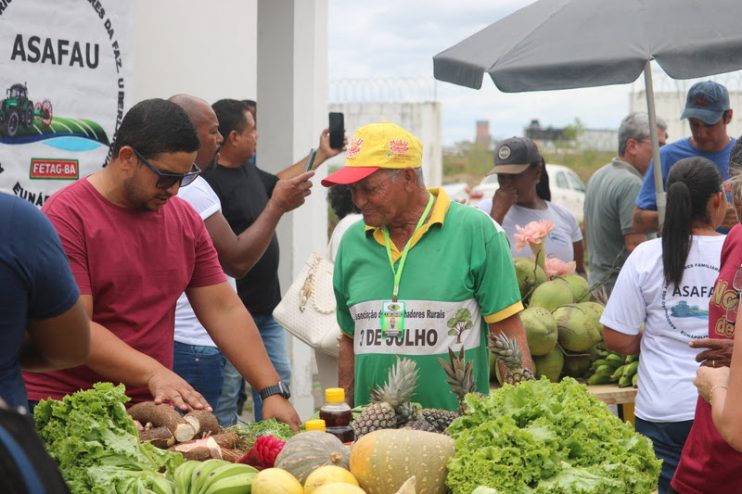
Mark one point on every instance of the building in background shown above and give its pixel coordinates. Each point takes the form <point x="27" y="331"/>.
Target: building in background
<point x="407" y="102"/>
<point x="482" y="136"/>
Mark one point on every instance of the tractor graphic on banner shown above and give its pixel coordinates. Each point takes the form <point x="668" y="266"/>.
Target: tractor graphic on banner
<point x="17" y="112"/>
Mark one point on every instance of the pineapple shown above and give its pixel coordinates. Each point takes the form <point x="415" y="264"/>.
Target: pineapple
<point x="508" y="351"/>
<point x="459" y="373"/>
<point x="390" y="407"/>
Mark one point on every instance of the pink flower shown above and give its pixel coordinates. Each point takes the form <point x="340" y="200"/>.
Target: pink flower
<point x="556" y="267"/>
<point x="534" y="233"/>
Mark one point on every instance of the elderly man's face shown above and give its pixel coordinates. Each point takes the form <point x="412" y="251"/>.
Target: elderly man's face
<point x="380" y="197"/>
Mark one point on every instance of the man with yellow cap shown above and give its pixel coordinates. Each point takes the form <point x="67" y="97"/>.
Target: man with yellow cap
<point x="421" y="274"/>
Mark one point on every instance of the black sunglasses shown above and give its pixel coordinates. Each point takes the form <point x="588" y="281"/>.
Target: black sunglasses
<point x="166" y="180"/>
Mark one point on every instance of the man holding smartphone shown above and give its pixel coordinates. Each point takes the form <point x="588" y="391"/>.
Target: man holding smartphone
<point x="246" y="192"/>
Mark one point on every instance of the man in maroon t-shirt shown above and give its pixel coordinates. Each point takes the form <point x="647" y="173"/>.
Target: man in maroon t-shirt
<point x="134" y="248"/>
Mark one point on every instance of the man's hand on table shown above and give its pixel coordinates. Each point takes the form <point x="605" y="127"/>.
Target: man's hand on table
<point x="167" y="386"/>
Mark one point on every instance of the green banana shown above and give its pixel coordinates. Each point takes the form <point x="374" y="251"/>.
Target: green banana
<point x="624" y="382"/>
<point x="236" y="484"/>
<point x="161" y="485"/>
<point x="182" y="476"/>
<point x="605" y="370"/>
<point x="598" y="379"/>
<point x="225" y="471"/>
<point x="598" y="362"/>
<point x="617" y="358"/>
<point x="632" y="358"/>
<point x="632" y="368"/>
<point x="198" y="477"/>
<point x="635" y="379"/>
<point x="618" y="373"/>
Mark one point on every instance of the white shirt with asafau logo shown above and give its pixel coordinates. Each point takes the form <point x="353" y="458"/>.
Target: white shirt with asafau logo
<point x="672" y="316"/>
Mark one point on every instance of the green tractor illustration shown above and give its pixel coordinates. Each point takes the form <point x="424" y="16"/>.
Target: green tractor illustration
<point x="18" y="112"/>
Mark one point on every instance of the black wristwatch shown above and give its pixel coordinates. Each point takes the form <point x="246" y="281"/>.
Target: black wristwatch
<point x="277" y="389"/>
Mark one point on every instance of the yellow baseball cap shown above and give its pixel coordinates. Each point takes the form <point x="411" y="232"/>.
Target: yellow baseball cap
<point x="375" y="146"/>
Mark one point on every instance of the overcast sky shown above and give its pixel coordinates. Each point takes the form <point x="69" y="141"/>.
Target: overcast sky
<point x="386" y="38"/>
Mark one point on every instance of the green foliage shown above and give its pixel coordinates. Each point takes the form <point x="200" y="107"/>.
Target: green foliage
<point x="96" y="443"/>
<point x="539" y="437"/>
<point x="250" y="432"/>
<point x="468" y="158"/>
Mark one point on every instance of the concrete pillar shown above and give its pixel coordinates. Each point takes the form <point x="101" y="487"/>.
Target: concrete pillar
<point x="292" y="111"/>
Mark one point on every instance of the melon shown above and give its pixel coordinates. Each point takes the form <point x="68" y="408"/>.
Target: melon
<point x="550" y="365"/>
<point x="275" y="481"/>
<point x="338" y="488"/>
<point x="551" y="294"/>
<point x="328" y="474"/>
<point x="541" y="330"/>
<point x="383" y="460"/>
<point x="574" y="325"/>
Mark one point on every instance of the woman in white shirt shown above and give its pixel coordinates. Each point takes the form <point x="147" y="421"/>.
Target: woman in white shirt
<point x="520" y="169"/>
<point x="665" y="285"/>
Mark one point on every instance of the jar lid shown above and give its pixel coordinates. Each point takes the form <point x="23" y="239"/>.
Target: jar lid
<point x="334" y="395"/>
<point x="315" y="425"/>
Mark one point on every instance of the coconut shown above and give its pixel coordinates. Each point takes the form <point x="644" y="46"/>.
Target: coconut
<point x="594" y="310"/>
<point x="551" y="294"/>
<point x="550" y="365"/>
<point x="576" y="365"/>
<point x="529" y="275"/>
<point x="578" y="285"/>
<point x="575" y="328"/>
<point x="541" y="330"/>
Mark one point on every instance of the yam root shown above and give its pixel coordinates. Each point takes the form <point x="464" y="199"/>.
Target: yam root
<point x="163" y="415"/>
<point x="203" y="422"/>
<point x="228" y="440"/>
<point x="231" y="455"/>
<point x="160" y="437"/>
<point x="199" y="449"/>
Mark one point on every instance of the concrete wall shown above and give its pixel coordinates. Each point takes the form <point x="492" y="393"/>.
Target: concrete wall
<point x="669" y="106"/>
<point x="208" y="49"/>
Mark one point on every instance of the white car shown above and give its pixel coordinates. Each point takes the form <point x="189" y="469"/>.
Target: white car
<point x="457" y="191"/>
<point x="567" y="189"/>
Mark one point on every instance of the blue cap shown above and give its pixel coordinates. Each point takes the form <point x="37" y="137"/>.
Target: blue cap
<point x="707" y="101"/>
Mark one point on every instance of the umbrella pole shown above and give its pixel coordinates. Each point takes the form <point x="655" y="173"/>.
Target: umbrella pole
<point x="658" y="186"/>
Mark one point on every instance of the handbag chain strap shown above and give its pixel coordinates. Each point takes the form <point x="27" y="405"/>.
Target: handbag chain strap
<point x="308" y="290"/>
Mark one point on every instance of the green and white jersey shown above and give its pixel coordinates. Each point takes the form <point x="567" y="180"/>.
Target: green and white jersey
<point x="458" y="277"/>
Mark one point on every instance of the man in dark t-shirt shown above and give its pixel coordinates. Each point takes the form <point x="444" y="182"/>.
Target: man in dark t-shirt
<point x="246" y="193"/>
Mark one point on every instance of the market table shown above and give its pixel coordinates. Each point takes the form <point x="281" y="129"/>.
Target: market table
<point x="611" y="394"/>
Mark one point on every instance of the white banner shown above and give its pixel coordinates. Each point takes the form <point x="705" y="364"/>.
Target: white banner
<point x="65" y="70"/>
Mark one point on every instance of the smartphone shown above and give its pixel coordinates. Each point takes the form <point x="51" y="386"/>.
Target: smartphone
<point x="337" y="130"/>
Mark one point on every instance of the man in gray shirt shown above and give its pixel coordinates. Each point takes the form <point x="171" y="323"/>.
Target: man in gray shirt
<point x="610" y="197"/>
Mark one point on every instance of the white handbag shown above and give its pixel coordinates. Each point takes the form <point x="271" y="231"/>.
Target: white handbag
<point x="307" y="310"/>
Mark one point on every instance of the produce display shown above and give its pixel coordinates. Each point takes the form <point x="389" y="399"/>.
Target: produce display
<point x="532" y="436"/>
<point x="563" y="329"/>
<point x="96" y="444"/>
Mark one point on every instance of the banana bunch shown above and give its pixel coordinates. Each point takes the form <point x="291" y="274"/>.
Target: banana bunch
<point x="611" y="367"/>
<point x="213" y="477"/>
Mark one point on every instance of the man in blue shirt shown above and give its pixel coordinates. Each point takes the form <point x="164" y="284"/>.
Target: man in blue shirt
<point x="43" y="325"/>
<point x="708" y="113"/>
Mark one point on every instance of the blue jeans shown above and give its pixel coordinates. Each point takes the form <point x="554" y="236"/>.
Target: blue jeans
<point x="274" y="340"/>
<point x="668" y="439"/>
<point x="202" y="367"/>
